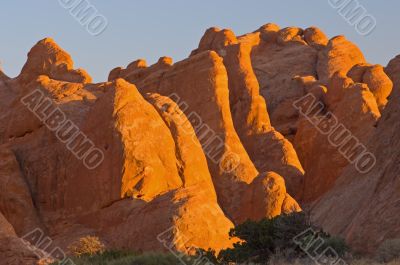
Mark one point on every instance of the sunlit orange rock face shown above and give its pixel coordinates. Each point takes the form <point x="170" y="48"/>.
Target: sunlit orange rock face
<point x="200" y="86"/>
<point x="154" y="175"/>
<point x="267" y="148"/>
<point x="195" y="147"/>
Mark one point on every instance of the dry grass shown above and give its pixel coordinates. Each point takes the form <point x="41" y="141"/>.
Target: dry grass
<point x="370" y="262"/>
<point x="389" y="250"/>
<point x="309" y="262"/>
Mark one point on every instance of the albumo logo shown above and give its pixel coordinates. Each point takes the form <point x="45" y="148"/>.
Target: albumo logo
<point x="86" y="14"/>
<point x="355" y="14"/>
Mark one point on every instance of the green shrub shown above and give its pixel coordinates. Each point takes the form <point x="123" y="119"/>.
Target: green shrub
<point x="337" y="243"/>
<point x="262" y="240"/>
<point x="389" y="250"/>
<point x="207" y="256"/>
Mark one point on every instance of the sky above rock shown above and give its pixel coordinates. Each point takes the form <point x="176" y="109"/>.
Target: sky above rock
<point x="151" y="29"/>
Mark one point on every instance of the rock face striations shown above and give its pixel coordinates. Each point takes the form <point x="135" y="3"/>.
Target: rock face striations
<point x="177" y="154"/>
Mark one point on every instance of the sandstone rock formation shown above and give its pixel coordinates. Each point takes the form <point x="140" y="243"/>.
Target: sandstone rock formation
<point x="290" y="63"/>
<point x="143" y="166"/>
<point x="267" y="148"/>
<point x="352" y="106"/>
<point x="159" y="174"/>
<point x="47" y="58"/>
<point x="339" y="55"/>
<point x="363" y="207"/>
<point x="192" y="162"/>
<point x="14" y="250"/>
<point x="3" y="77"/>
<point x="174" y="155"/>
<point x="376" y="79"/>
<point x="15" y="197"/>
<point x="276" y="63"/>
<point x="228" y="160"/>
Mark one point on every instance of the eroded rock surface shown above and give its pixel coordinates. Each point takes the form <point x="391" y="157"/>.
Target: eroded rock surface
<point x="213" y="115"/>
<point x="147" y="163"/>
<point x="351" y="106"/>
<point x="339" y="55"/>
<point x="362" y="207"/>
<point x="267" y="148"/>
<point x="14" y="250"/>
<point x="187" y="150"/>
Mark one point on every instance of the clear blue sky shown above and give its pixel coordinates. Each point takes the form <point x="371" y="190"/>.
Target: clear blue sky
<point x="150" y="29"/>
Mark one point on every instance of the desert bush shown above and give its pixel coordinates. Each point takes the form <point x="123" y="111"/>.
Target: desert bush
<point x="209" y="256"/>
<point x="46" y="261"/>
<point x="338" y="244"/>
<point x="389" y="250"/>
<point x="260" y="241"/>
<point x="88" y="245"/>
